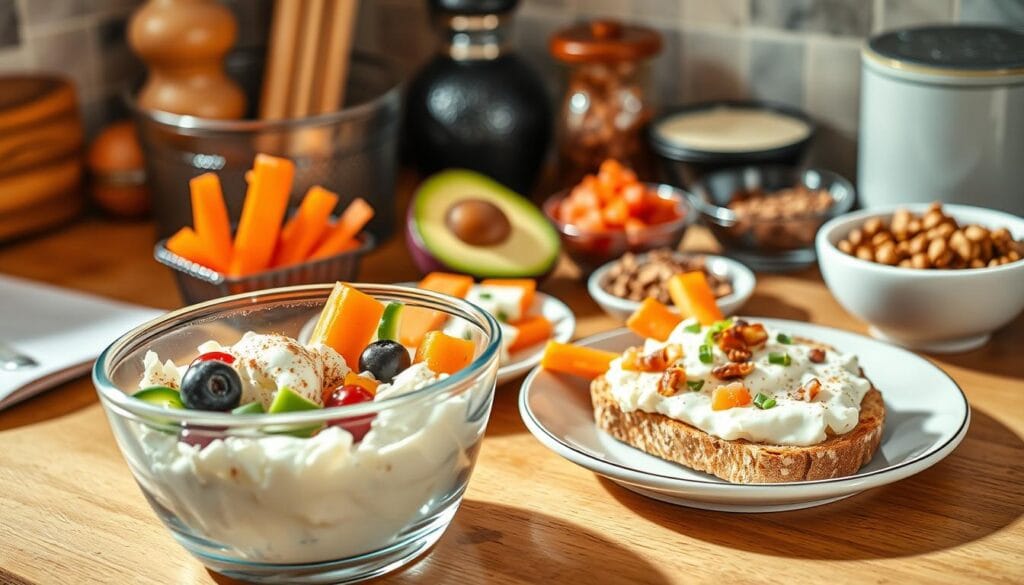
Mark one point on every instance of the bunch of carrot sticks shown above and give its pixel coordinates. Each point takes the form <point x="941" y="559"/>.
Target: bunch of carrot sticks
<point x="264" y="241"/>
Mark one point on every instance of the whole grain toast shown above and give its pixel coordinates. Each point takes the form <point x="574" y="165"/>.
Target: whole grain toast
<point x="741" y="461"/>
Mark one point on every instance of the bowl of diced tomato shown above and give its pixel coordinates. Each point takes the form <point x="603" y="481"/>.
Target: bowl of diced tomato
<point x="612" y="212"/>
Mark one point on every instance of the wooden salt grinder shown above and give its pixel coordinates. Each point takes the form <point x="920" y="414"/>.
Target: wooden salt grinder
<point x="183" y="43"/>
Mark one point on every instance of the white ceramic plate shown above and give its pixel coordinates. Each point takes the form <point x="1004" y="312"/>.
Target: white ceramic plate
<point x="564" y="323"/>
<point x="742" y="279"/>
<point x="927" y="416"/>
<point x="554" y="310"/>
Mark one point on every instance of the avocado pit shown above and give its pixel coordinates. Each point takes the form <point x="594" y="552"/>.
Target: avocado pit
<point x="478" y="222"/>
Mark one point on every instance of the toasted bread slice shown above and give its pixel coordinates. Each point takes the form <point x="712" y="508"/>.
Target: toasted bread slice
<point x="741" y="461"/>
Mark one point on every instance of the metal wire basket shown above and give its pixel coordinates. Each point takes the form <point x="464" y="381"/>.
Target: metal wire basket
<point x="198" y="283"/>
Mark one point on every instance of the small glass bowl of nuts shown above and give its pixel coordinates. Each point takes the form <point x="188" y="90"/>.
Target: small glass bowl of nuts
<point x="937" y="278"/>
<point x="767" y="216"/>
<point x="621" y="285"/>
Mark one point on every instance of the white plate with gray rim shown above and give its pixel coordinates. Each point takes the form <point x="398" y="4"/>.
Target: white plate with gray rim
<point x="927" y="415"/>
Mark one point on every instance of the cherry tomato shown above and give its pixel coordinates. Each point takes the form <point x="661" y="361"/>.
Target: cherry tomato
<point x="219" y="356"/>
<point x="351" y="394"/>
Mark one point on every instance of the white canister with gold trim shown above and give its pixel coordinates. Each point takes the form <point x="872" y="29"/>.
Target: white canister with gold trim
<point x="942" y="117"/>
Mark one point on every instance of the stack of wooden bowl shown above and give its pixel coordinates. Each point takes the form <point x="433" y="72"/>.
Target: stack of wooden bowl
<point x="40" y="154"/>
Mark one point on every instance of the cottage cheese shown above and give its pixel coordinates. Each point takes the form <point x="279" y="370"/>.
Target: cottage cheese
<point x="793" y="421"/>
<point x="283" y="499"/>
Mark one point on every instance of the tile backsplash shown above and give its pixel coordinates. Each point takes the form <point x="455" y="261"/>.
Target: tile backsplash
<point x="804" y="53"/>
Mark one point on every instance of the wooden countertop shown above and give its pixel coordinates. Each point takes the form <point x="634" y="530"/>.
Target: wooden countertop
<point x="71" y="513"/>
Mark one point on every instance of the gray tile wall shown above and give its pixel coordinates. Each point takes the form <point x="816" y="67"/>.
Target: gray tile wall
<point x="800" y="52"/>
<point x="804" y="53"/>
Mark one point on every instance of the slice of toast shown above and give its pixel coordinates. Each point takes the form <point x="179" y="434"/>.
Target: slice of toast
<point x="741" y="461"/>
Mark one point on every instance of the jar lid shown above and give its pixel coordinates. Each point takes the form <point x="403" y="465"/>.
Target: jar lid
<point x="986" y="51"/>
<point x="604" y="41"/>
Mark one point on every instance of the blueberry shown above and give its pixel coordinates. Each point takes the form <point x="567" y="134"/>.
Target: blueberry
<point x="384" y="359"/>
<point x="211" y="385"/>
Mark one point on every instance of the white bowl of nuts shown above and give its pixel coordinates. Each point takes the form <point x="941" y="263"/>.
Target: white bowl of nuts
<point x="621" y="285"/>
<point x="934" y="278"/>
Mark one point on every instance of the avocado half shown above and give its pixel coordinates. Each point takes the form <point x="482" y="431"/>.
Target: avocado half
<point x="525" y="245"/>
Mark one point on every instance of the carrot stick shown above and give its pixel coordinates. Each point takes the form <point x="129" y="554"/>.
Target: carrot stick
<point x="585" y="362"/>
<point x="266" y="200"/>
<point x="532" y="330"/>
<point x="210" y="220"/>
<point x="306" y="227"/>
<point x="356" y="215"/>
<point x="187" y="244"/>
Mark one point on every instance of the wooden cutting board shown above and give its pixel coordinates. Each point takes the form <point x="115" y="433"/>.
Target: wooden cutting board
<point x="41" y="158"/>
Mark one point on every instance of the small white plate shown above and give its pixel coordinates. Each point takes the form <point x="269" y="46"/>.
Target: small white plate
<point x="742" y="279"/>
<point x="562" y="319"/>
<point x="564" y="323"/>
<point x="927" y="416"/>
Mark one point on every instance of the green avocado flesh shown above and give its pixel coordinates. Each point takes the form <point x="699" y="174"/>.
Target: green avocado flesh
<point x="530" y="249"/>
<point x="287" y="400"/>
<point x="160" y="396"/>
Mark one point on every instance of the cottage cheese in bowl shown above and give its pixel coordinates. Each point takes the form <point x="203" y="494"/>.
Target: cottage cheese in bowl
<point x="284" y="499"/>
<point x="274" y="460"/>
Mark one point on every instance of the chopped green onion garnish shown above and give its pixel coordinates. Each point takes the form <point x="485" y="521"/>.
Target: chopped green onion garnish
<point x="695" y="385"/>
<point x="705" y="354"/>
<point x="763" y="402"/>
<point x="692" y="328"/>
<point x="722" y="325"/>
<point x="502" y="316"/>
<point x="486" y="296"/>
<point x="716" y="328"/>
<point x="779" y="359"/>
<point x="783" y="338"/>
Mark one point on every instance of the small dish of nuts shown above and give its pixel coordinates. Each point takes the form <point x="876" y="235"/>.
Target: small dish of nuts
<point x="621" y="285"/>
<point x="931" y="240"/>
<point x="935" y="278"/>
<point x="767" y="216"/>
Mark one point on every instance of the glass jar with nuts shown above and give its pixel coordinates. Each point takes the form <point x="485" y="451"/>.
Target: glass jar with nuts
<point x="932" y="240"/>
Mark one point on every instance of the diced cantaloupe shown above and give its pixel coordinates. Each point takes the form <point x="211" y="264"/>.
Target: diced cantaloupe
<point x="694" y="298"/>
<point x="444" y="353"/>
<point x="348" y="322"/>
<point x="653" y="319"/>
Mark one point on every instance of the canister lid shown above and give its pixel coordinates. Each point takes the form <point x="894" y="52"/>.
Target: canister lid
<point x="969" y="51"/>
<point x="604" y="41"/>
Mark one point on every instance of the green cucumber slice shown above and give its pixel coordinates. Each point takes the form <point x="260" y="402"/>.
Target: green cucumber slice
<point x="160" y="396"/>
<point x="390" y="321"/>
<point x="251" y="408"/>
<point x="287" y="400"/>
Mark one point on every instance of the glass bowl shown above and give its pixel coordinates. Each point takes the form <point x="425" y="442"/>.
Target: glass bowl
<point x="253" y="501"/>
<point x="589" y="249"/>
<point x="772" y="244"/>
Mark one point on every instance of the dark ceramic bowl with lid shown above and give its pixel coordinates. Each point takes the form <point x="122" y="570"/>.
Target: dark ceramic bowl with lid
<point x="695" y="140"/>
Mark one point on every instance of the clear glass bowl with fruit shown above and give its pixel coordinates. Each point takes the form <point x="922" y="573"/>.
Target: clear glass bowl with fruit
<point x="269" y="458"/>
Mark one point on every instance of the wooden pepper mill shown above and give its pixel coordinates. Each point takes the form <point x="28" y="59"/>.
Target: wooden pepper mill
<point x="183" y="43"/>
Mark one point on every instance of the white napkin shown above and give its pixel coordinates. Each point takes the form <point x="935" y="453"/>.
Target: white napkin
<point x="63" y="330"/>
